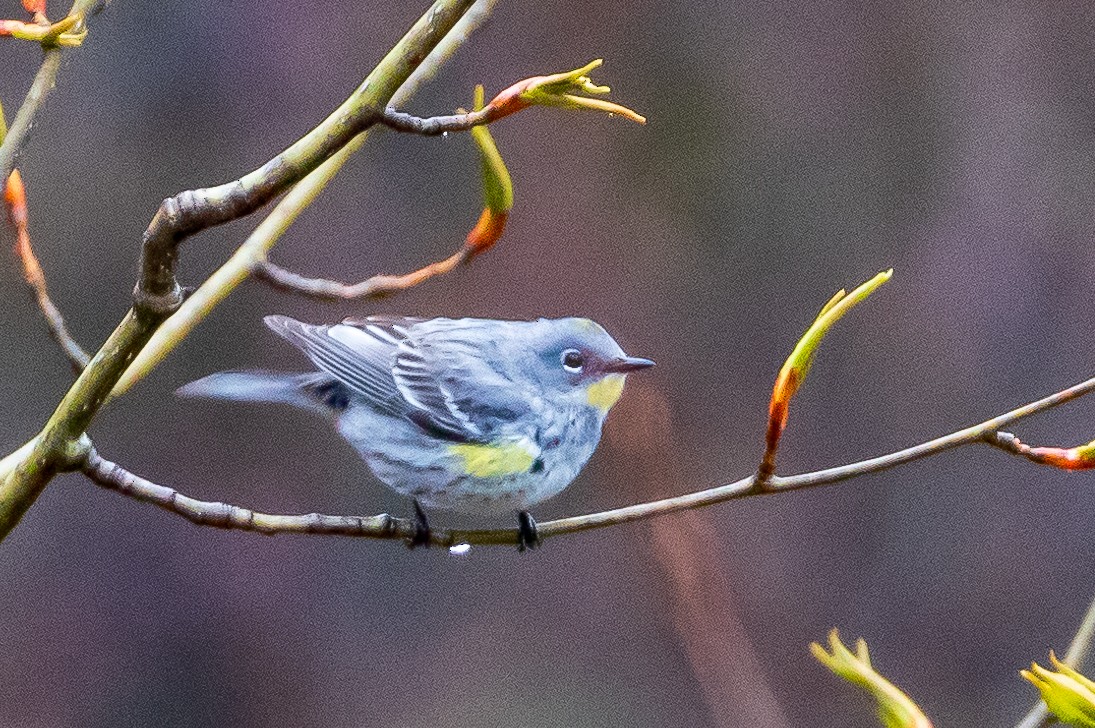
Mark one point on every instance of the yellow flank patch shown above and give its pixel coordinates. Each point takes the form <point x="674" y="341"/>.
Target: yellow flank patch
<point x="492" y="461"/>
<point x="605" y="391"/>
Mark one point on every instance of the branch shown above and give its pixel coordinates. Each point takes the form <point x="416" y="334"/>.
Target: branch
<point x="44" y="82"/>
<point x="376" y="287"/>
<point x="436" y="125"/>
<point x="222" y="515"/>
<point x="554" y="90"/>
<point x="497" y="201"/>
<point x="237" y="268"/>
<point x="16" y="199"/>
<point x="383" y="526"/>
<point x="1081" y="457"/>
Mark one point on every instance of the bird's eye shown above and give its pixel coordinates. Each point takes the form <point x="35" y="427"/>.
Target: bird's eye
<point x="573" y="360"/>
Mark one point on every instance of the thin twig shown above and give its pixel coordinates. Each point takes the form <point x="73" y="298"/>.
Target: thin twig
<point x="569" y="89"/>
<point x="15" y="196"/>
<point x="436" y="125"/>
<point x="376" y="287"/>
<point x="220" y="515"/>
<point x="1080" y="457"/>
<point x="16" y="139"/>
<point x="1008" y="442"/>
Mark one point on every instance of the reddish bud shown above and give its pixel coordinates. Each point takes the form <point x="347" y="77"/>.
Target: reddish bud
<point x="486" y="232"/>
<point x="15" y="196"/>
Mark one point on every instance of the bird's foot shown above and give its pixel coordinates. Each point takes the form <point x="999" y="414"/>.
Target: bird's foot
<point x="528" y="536"/>
<point x="422" y="531"/>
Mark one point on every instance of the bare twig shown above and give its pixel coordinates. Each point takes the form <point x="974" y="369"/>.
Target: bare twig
<point x="15" y="197"/>
<point x="221" y="515"/>
<point x="376" y="287"/>
<point x="569" y="90"/>
<point x="497" y="200"/>
<point x="436" y="125"/>
<point x="44" y="82"/>
<point x="1010" y="443"/>
<point x="383" y="526"/>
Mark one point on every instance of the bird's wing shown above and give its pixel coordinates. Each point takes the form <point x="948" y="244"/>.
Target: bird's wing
<point x="359" y="359"/>
<point x="430" y="372"/>
<point x="452" y="371"/>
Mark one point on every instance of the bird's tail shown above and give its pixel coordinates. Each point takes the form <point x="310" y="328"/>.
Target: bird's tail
<point x="255" y="386"/>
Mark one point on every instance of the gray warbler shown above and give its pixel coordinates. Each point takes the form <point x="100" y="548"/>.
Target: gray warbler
<point x="473" y="415"/>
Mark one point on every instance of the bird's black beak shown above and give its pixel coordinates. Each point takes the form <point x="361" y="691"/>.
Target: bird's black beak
<point x="626" y="364"/>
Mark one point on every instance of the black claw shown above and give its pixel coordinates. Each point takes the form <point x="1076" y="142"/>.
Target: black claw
<point x="421" y="535"/>
<point x="528" y="536"/>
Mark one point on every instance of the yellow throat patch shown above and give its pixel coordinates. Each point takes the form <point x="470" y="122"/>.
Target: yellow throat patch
<point x="493" y="460"/>
<point x="604" y="393"/>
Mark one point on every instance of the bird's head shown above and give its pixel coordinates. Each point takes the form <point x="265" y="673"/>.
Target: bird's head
<point x="581" y="363"/>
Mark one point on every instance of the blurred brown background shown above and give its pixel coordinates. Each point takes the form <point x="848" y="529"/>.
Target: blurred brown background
<point x="792" y="149"/>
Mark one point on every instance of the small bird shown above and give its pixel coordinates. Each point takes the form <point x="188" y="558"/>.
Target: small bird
<point x="473" y="415"/>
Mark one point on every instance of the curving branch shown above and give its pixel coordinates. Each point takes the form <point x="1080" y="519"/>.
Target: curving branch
<point x="383" y="526"/>
<point x="192" y="211"/>
<point x="497" y="202"/>
<point x="568" y="90"/>
<point x="377" y="286"/>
